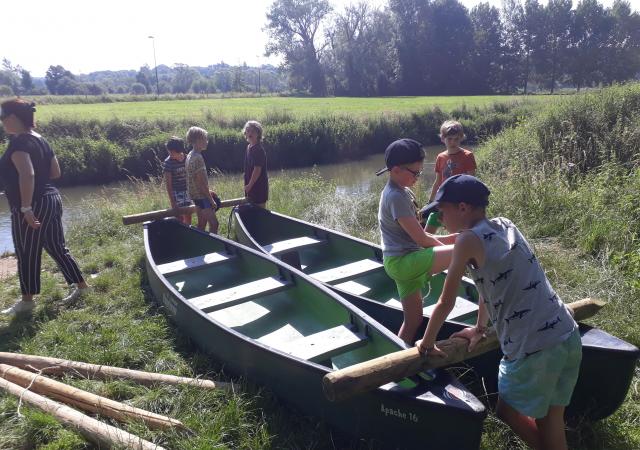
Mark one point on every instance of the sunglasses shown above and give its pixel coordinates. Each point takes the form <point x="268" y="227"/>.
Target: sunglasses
<point x="415" y="173"/>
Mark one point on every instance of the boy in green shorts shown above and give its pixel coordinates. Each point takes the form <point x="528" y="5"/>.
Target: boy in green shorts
<point x="410" y="255"/>
<point x="537" y="334"/>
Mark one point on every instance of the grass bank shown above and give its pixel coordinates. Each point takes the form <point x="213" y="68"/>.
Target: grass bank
<point x="119" y="324"/>
<point x="99" y="143"/>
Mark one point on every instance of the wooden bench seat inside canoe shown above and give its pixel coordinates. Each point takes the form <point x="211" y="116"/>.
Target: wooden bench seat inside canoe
<point x="183" y="265"/>
<point x="462" y="309"/>
<point x="239" y="294"/>
<point x="324" y="344"/>
<point x="292" y="244"/>
<point x="347" y="271"/>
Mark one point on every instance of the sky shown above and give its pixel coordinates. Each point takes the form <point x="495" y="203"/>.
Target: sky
<point x="87" y="36"/>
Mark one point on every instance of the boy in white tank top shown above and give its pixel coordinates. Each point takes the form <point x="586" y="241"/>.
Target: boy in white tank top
<point x="538" y="336"/>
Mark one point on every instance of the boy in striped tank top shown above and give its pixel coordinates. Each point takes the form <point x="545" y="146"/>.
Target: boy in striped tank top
<point x="538" y="336"/>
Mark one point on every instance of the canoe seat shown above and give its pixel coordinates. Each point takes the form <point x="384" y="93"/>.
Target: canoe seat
<point x="353" y="287"/>
<point x="351" y="270"/>
<point x="292" y="244"/>
<point x="325" y="344"/>
<point x="183" y="265"/>
<point x="462" y="309"/>
<point x="239" y="294"/>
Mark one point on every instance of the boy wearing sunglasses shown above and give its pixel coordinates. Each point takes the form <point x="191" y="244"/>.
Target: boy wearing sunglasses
<point x="410" y="254"/>
<point x="455" y="160"/>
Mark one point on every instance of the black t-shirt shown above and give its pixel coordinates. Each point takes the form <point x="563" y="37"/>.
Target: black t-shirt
<point x="256" y="157"/>
<point x="40" y="153"/>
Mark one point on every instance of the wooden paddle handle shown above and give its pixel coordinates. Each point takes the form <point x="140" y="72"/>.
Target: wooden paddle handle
<point x="174" y="212"/>
<point x="362" y="377"/>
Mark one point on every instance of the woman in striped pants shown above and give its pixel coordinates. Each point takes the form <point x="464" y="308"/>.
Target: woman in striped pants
<point x="26" y="168"/>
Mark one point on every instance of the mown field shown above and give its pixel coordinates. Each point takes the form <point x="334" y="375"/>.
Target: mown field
<point x="263" y="108"/>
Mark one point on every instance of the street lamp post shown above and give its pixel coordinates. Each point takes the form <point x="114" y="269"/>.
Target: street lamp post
<point x="153" y="43"/>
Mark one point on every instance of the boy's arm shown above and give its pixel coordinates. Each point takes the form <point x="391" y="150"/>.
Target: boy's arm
<point x="168" y="181"/>
<point x="436" y="184"/>
<point x="467" y="247"/>
<point x="257" y="170"/>
<point x="411" y="225"/>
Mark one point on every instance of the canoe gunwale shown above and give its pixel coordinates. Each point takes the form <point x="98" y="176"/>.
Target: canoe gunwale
<point x="298" y="277"/>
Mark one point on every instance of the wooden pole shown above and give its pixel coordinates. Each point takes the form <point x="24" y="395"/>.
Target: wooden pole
<point x="86" y="401"/>
<point x="58" y="366"/>
<point x="162" y="213"/>
<point x="362" y="377"/>
<point x="93" y="430"/>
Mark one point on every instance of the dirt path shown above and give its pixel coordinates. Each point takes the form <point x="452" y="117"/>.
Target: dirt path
<point x="8" y="267"/>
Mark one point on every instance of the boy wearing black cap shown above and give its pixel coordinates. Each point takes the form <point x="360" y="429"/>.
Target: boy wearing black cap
<point x="410" y="255"/>
<point x="537" y="334"/>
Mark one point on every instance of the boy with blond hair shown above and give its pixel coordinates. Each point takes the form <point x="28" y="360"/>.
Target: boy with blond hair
<point x="197" y="182"/>
<point x="454" y="160"/>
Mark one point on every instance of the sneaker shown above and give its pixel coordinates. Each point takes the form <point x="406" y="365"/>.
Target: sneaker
<point x="21" y="307"/>
<point x="76" y="294"/>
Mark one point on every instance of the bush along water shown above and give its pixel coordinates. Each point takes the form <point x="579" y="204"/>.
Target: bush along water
<point x="573" y="172"/>
<point x="93" y="151"/>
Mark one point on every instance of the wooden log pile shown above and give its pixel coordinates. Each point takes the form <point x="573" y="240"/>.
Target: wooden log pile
<point x="63" y="401"/>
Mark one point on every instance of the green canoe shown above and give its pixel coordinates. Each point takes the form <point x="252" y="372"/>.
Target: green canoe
<point x="282" y="329"/>
<point x="353" y="268"/>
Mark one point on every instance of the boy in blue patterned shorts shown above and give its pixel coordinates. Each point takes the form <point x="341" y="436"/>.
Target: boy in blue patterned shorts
<point x="538" y="336"/>
<point x="175" y="177"/>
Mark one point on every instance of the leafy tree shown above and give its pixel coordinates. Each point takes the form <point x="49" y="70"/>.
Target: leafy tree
<point x="622" y="60"/>
<point x="412" y="19"/>
<point x="555" y="42"/>
<point x="450" y="48"/>
<point x="512" y="60"/>
<point x="54" y="77"/>
<point x="144" y="77"/>
<point x="223" y="80"/>
<point x="10" y="79"/>
<point x="204" y="86"/>
<point x="68" y="86"/>
<point x="590" y="33"/>
<point x="6" y="91"/>
<point x="487" y="33"/>
<point x="532" y="32"/>
<point x="95" y="88"/>
<point x="138" y="89"/>
<point x="293" y="27"/>
<point x="362" y="51"/>
<point x="26" y="81"/>
<point x="184" y="78"/>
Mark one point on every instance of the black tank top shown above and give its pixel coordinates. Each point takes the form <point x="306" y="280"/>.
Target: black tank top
<point x="40" y="153"/>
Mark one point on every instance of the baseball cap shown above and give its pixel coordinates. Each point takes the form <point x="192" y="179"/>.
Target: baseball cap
<point x="461" y="189"/>
<point x="402" y="151"/>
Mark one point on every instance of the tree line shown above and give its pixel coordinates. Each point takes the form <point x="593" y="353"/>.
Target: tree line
<point x="438" y="47"/>
<point x="179" y="79"/>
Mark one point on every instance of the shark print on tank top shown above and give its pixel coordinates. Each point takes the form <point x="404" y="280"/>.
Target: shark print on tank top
<point x="527" y="313"/>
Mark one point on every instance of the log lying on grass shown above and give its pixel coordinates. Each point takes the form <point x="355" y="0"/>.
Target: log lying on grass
<point x="86" y="401"/>
<point x="162" y="213"/>
<point x="362" y="377"/>
<point x="56" y="366"/>
<point x="93" y="430"/>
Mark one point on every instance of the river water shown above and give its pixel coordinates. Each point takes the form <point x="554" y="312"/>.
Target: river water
<point x="352" y="176"/>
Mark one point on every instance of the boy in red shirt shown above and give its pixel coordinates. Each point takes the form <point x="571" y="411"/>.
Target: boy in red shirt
<point x="455" y="160"/>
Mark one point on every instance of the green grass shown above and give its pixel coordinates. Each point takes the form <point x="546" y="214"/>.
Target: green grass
<point x="119" y="324"/>
<point x="265" y="107"/>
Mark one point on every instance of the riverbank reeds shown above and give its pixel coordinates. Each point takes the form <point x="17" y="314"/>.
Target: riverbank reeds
<point x="98" y="151"/>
